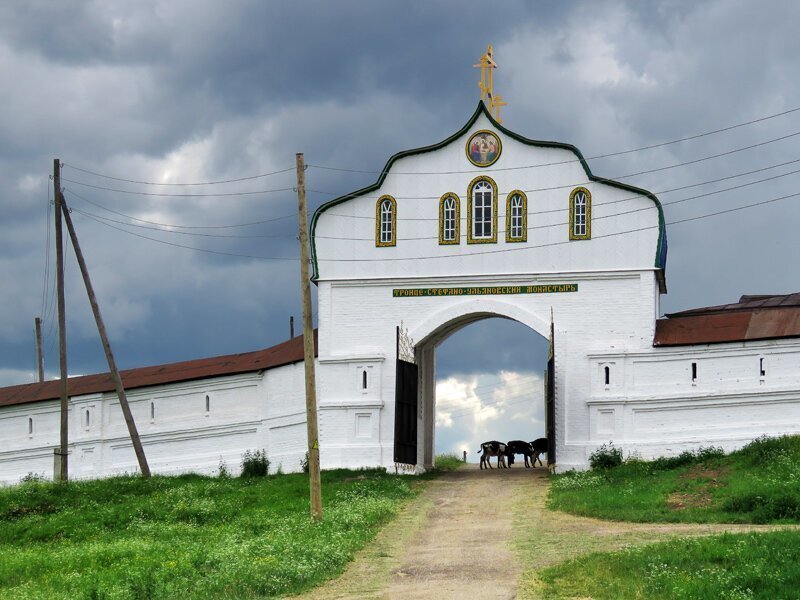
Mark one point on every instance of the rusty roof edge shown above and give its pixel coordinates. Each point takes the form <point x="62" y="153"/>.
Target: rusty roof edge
<point x="154" y="375"/>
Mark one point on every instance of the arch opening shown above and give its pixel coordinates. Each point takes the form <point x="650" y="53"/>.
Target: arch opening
<point x="481" y="378"/>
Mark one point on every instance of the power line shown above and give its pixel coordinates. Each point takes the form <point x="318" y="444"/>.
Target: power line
<point x="222" y="181"/>
<point x="619" y="200"/>
<point x="527" y="247"/>
<point x="159" y="194"/>
<point x="598" y="156"/>
<point x="600" y="179"/>
<point x="46" y="253"/>
<point x="190" y="247"/>
<point x="263" y="221"/>
<point x="193" y="233"/>
<point x="597" y="218"/>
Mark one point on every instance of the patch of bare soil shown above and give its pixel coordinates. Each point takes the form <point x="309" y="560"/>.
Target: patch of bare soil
<point x="698" y="483"/>
<point x="485" y="534"/>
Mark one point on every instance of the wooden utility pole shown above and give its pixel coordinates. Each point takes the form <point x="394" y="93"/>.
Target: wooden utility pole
<point x="315" y="484"/>
<point x="62" y="474"/>
<point x="39" y="359"/>
<point x="101" y="329"/>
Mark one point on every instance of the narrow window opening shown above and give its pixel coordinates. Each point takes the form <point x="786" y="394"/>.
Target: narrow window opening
<point x="30" y="425"/>
<point x="449" y="220"/>
<point x="86" y="418"/>
<point x="482" y="211"/>
<point x="694" y="372"/>
<point x="608" y="375"/>
<point x="208" y="404"/>
<point x="152" y="411"/>
<point x="364" y="379"/>
<point x="762" y="369"/>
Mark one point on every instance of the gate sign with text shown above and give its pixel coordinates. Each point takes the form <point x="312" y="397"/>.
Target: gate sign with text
<point x="484" y="290"/>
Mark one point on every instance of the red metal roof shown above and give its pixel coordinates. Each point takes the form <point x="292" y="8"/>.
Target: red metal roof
<point x="285" y="353"/>
<point x="752" y="318"/>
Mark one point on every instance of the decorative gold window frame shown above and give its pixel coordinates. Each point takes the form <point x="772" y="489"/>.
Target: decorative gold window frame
<point x="524" y="236"/>
<point x="588" y="234"/>
<point x="472" y="184"/>
<point x="457" y="238"/>
<point x="378" y="242"/>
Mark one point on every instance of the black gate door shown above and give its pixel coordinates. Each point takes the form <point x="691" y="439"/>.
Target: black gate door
<point x="550" y="401"/>
<point x="405" y="414"/>
<point x="405" y="402"/>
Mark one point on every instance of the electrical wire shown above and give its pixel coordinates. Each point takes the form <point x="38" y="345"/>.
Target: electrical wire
<point x="192" y="233"/>
<point x="233" y="254"/>
<point x="529" y="247"/>
<point x="46" y="253"/>
<point x="617" y="201"/>
<point x="159" y="194"/>
<point x="76" y="195"/>
<point x="220" y="182"/>
<point x="595" y="218"/>
<point x="598" y="156"/>
<point x="599" y="179"/>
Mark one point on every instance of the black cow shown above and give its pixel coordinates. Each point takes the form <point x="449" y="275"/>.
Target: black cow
<point x="539" y="447"/>
<point x="519" y="447"/>
<point x="493" y="448"/>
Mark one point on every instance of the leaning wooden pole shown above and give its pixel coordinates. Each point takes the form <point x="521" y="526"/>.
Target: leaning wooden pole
<point x="62" y="473"/>
<point x="112" y="365"/>
<point x="315" y="484"/>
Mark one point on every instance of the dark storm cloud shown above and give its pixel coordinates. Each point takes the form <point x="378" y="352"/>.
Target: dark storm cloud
<point x="199" y="91"/>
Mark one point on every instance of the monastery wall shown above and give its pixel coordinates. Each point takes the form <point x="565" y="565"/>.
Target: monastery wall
<point x="191" y="426"/>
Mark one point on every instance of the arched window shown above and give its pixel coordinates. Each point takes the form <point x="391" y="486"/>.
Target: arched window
<point x="482" y="215"/>
<point x="449" y="219"/>
<point x="580" y="214"/>
<point x="516" y="217"/>
<point x="386" y="221"/>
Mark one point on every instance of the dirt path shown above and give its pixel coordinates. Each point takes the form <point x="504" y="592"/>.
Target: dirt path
<point x="484" y="534"/>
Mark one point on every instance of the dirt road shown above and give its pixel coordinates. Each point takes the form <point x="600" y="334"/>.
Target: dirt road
<point x="484" y="534"/>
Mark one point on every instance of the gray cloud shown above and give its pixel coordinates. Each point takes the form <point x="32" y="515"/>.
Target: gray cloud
<point x="200" y="91"/>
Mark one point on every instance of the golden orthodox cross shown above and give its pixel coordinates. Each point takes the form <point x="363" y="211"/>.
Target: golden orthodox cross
<point x="486" y="84"/>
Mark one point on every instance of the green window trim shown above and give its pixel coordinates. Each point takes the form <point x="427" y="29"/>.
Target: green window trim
<point x="490" y="239"/>
<point x="385" y="228"/>
<point x="522" y="233"/>
<point x="455" y="231"/>
<point x="580" y="214"/>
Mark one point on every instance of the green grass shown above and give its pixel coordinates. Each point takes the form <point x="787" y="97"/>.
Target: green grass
<point x="188" y="536"/>
<point x="448" y="462"/>
<point x="729" y="566"/>
<point x="758" y="484"/>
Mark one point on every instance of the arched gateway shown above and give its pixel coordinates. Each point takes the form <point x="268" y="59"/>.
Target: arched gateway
<point x="485" y="223"/>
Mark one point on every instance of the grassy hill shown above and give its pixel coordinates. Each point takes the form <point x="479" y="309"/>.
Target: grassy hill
<point x="188" y="536"/>
<point x="758" y="484"/>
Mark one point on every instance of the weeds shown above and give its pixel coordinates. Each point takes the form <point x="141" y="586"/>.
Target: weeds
<point x="255" y="463"/>
<point x="605" y="457"/>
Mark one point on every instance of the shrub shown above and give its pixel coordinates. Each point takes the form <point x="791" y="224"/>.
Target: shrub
<point x="606" y="457"/>
<point x="686" y="458"/>
<point x="32" y="477"/>
<point x="223" y="473"/>
<point x="304" y="463"/>
<point x="764" y="450"/>
<point x="255" y="463"/>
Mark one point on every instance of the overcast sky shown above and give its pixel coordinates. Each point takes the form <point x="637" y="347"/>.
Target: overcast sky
<point x="198" y="91"/>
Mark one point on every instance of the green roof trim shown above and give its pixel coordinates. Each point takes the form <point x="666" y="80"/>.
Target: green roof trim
<point x="661" y="244"/>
